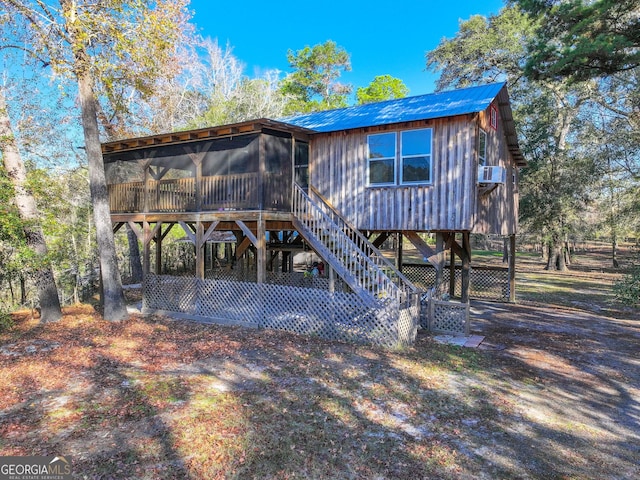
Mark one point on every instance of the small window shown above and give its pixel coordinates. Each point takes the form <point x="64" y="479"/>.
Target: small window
<point x="493" y="117"/>
<point x="382" y="159"/>
<point x="482" y="148"/>
<point x="416" y="156"/>
<point x="301" y="164"/>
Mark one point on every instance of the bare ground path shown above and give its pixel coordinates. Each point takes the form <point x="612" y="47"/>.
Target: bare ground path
<point x="575" y="380"/>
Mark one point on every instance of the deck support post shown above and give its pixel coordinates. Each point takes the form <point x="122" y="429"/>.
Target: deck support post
<point x="439" y="259"/>
<point x="466" y="265"/>
<point x="146" y="248"/>
<point x="261" y="250"/>
<point x="199" y="244"/>
<point x="452" y="271"/>
<point x="147" y="192"/>
<point x="512" y="268"/>
<point x="399" y="252"/>
<point x="159" y="238"/>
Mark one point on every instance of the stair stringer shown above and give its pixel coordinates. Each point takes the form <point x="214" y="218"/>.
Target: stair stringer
<point x="338" y="266"/>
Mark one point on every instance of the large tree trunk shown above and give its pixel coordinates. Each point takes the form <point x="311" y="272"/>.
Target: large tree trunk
<point x="47" y="292"/>
<point x="556" y="258"/>
<point x="113" y="297"/>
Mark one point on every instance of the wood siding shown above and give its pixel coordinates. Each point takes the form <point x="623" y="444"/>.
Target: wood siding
<point x="497" y="211"/>
<point x="339" y="171"/>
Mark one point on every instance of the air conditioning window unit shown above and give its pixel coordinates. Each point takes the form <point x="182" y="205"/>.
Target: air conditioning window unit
<point x="492" y="175"/>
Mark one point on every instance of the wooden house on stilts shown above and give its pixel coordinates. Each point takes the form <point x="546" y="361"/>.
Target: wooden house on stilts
<point x="339" y="183"/>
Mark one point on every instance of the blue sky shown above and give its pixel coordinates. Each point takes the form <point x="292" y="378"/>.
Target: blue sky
<point x="382" y="37"/>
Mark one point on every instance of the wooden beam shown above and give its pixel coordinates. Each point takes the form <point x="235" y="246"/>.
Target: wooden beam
<point x="420" y="244"/>
<point x="399" y="262"/>
<point x="261" y="247"/>
<point x="512" y="268"/>
<point x="434" y="257"/>
<point x="159" y="238"/>
<point x="209" y="231"/>
<point x="138" y="230"/>
<point x="439" y="258"/>
<point x="152" y="233"/>
<point x="456" y="248"/>
<point x="146" y="249"/>
<point x="380" y="239"/>
<point x="466" y="266"/>
<point x="242" y="247"/>
<point x="247" y="231"/>
<point x="452" y="273"/>
<point x="160" y="173"/>
<point x="167" y="230"/>
<point x="199" y="250"/>
<point x="117" y="226"/>
<point x="187" y="229"/>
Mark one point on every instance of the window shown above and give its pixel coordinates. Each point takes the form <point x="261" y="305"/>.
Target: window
<point x="493" y="112"/>
<point x="382" y="159"/>
<point x="400" y="159"/>
<point x="301" y="164"/>
<point x="482" y="148"/>
<point x="416" y="156"/>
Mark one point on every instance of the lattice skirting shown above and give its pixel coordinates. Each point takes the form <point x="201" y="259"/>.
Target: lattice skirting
<point x="448" y="317"/>
<point x="309" y="311"/>
<point x="484" y="283"/>
<point x="297" y="279"/>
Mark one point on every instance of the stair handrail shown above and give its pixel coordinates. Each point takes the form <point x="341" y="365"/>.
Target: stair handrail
<point x="358" y="261"/>
<point x="369" y="248"/>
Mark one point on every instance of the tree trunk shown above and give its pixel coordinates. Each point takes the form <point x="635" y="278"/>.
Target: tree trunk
<point x="113" y="297"/>
<point x="26" y="205"/>
<point x="614" y="251"/>
<point x="567" y="252"/>
<point x="556" y="258"/>
<point x="13" y="294"/>
<point x="23" y="291"/>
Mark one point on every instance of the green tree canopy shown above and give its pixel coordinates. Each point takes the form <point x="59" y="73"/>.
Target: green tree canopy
<point x="554" y="183"/>
<point x="313" y="84"/>
<point x="383" y="87"/>
<point x="581" y="39"/>
<point x="114" y="43"/>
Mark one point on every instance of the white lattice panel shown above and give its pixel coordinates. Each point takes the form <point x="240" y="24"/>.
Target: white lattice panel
<point x="308" y="311"/>
<point x="297" y="279"/>
<point x="448" y="317"/>
<point x="233" y="301"/>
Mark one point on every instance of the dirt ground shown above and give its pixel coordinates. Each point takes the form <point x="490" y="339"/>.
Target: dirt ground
<point x="553" y="392"/>
<point x="575" y="380"/>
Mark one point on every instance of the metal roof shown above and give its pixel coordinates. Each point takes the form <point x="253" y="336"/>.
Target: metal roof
<point x="422" y="107"/>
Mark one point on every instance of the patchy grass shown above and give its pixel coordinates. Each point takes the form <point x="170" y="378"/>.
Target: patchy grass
<point x="587" y="284"/>
<point x="553" y="395"/>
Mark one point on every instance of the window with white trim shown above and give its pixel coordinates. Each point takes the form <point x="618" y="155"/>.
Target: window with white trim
<point x="403" y="159"/>
<point x="382" y="159"/>
<point x="482" y="148"/>
<point x="493" y="117"/>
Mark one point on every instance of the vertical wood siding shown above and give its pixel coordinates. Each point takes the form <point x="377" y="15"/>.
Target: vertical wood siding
<point x="339" y="171"/>
<point x="497" y="212"/>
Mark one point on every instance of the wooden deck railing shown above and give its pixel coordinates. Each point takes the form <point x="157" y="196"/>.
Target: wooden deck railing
<point x="238" y="192"/>
<point x="221" y="192"/>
